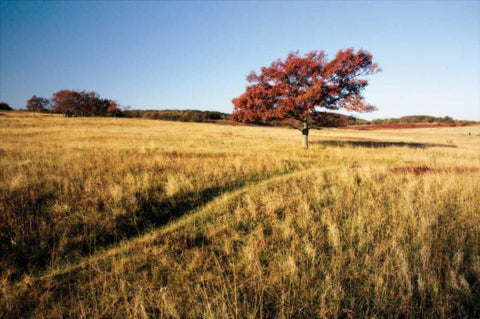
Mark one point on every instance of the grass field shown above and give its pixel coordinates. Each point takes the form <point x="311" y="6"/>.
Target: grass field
<point x="109" y="217"/>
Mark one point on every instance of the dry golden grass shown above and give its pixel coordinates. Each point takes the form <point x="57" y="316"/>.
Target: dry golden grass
<point x="141" y="218"/>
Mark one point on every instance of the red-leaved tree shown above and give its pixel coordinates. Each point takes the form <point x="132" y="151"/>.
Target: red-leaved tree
<point x="67" y="102"/>
<point x="37" y="104"/>
<point x="113" y="109"/>
<point x="299" y="87"/>
<point x="84" y="103"/>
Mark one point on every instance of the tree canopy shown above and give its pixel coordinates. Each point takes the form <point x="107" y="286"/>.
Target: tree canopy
<point x="5" y="107"/>
<point x="37" y="104"/>
<point x="299" y="87"/>
<point x="83" y="103"/>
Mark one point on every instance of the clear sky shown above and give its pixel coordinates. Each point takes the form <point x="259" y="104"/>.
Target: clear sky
<point x="178" y="55"/>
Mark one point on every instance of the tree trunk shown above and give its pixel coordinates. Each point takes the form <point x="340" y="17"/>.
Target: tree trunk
<point x="305" y="134"/>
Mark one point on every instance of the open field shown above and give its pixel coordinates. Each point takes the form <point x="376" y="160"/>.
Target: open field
<point x="108" y="217"/>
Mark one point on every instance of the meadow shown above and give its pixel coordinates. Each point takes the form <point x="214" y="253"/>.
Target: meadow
<point x="116" y="217"/>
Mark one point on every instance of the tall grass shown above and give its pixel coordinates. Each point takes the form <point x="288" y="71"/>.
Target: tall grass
<point x="139" y="218"/>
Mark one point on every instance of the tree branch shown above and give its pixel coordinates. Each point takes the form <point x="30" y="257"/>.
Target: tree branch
<point x="293" y="126"/>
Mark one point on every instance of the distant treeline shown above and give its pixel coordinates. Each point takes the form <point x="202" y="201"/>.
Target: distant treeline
<point x="178" y="115"/>
<point x="75" y="103"/>
<point x="328" y="120"/>
<point x="339" y="120"/>
<point x="85" y="103"/>
<point x="89" y="103"/>
<point x="413" y="119"/>
<point x="5" y="107"/>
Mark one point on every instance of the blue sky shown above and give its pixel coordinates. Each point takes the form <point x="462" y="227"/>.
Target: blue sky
<point x="177" y="55"/>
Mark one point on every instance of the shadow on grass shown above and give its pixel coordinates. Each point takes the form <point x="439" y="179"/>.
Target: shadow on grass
<point x="30" y="240"/>
<point x="155" y="211"/>
<point x="380" y="144"/>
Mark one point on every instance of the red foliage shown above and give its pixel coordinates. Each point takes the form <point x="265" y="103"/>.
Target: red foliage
<point x="37" y="104"/>
<point x="83" y="103"/>
<point x="113" y="108"/>
<point x="296" y="87"/>
<point x="67" y="101"/>
<point x="417" y="170"/>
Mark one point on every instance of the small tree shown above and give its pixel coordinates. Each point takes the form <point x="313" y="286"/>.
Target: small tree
<point x="83" y="103"/>
<point x="37" y="104"/>
<point x="67" y="102"/>
<point x="5" y="107"/>
<point x="298" y="87"/>
<point x="113" y="109"/>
